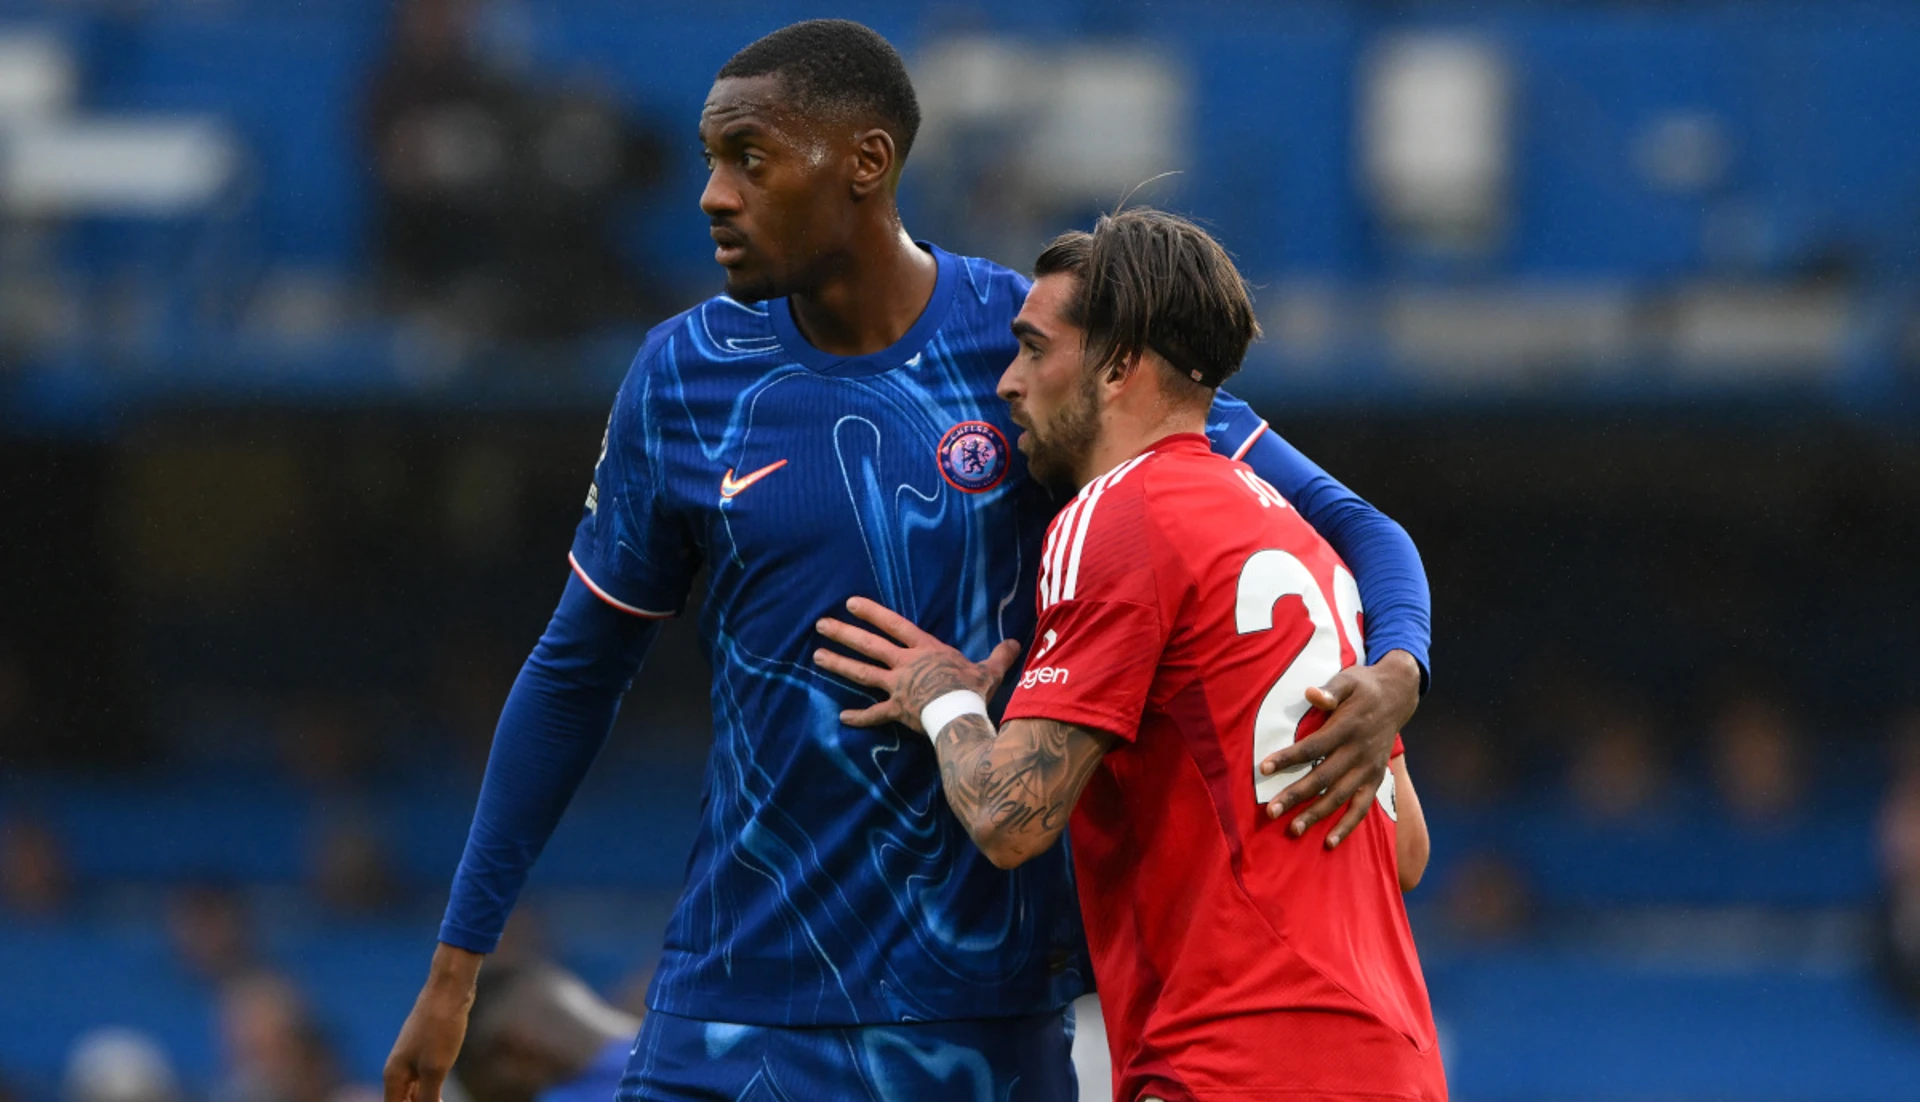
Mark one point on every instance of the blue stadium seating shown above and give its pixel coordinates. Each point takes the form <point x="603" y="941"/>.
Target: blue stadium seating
<point x="1694" y="857"/>
<point x="1821" y="113"/>
<point x="244" y="828"/>
<point x="256" y="829"/>
<point x="1515" y="1024"/>
<point x="1519" y="1026"/>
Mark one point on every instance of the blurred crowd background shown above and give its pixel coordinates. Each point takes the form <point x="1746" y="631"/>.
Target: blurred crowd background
<point x="311" y="312"/>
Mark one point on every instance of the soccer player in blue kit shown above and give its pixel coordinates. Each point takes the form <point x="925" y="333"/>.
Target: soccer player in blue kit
<point x="830" y="427"/>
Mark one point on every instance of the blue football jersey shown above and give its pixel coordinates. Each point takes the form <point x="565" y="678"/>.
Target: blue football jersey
<point x="829" y="882"/>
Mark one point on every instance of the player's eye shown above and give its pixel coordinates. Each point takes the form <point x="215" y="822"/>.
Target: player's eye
<point x="707" y="157"/>
<point x="1032" y="349"/>
<point x="751" y="161"/>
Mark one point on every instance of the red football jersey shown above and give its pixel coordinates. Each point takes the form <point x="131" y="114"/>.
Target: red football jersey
<point x="1186" y="608"/>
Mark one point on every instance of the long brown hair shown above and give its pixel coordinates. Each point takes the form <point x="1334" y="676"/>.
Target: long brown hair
<point x="1153" y="281"/>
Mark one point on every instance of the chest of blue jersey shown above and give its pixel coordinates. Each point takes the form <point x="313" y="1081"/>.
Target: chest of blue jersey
<point x="829" y="881"/>
<point x="899" y="486"/>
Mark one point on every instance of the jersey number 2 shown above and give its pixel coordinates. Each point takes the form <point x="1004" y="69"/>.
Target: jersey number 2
<point x="1265" y="578"/>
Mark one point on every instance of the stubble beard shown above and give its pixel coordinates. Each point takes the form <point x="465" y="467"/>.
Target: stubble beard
<point x="1055" y="458"/>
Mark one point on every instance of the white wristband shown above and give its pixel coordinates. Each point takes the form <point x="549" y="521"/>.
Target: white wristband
<point x="946" y="708"/>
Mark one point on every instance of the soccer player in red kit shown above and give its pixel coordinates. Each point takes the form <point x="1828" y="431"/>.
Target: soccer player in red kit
<point x="1186" y="611"/>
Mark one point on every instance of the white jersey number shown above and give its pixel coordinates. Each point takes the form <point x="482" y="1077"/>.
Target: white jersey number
<point x="1265" y="578"/>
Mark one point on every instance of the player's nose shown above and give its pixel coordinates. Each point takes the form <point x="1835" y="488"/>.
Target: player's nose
<point x="1008" y="388"/>
<point x="718" y="198"/>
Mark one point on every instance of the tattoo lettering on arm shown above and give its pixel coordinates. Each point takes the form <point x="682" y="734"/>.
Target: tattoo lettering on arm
<point x="1015" y="790"/>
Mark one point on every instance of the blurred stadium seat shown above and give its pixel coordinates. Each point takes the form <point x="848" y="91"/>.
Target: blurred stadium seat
<point x="1652" y="420"/>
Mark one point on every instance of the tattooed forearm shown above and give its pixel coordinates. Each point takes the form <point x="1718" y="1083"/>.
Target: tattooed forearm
<point x="1015" y="789"/>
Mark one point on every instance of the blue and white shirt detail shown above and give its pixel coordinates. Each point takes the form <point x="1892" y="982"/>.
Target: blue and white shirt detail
<point x="829" y="884"/>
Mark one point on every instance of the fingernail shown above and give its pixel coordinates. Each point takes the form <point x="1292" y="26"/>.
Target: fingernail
<point x="1273" y="811"/>
<point x="819" y="654"/>
<point x="1267" y="769"/>
<point x="1299" y="827"/>
<point x="1333" y="840"/>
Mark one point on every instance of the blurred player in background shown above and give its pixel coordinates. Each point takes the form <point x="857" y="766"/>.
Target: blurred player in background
<point x="830" y="426"/>
<point x="1184" y="610"/>
<point x="537" y="1033"/>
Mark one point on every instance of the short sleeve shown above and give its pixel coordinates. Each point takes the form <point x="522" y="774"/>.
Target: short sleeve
<point x="1101" y="631"/>
<point x="1399" y="748"/>
<point x="630" y="549"/>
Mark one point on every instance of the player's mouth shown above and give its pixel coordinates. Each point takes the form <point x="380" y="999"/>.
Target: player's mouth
<point x="1013" y="414"/>
<point x="729" y="247"/>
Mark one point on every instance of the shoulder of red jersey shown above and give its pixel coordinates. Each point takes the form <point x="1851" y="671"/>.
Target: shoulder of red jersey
<point x="1207" y="489"/>
<point x="1114" y="526"/>
<point x="1107" y="518"/>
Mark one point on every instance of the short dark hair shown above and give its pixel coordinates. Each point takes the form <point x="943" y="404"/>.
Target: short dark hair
<point x="1150" y="280"/>
<point x="837" y="65"/>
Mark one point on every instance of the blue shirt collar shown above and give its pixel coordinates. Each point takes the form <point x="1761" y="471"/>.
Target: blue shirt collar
<point x="910" y="344"/>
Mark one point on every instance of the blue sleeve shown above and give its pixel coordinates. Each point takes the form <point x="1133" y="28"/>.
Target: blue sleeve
<point x="555" y="720"/>
<point x="633" y="562"/>
<point x="632" y="548"/>
<point x="1385" y="563"/>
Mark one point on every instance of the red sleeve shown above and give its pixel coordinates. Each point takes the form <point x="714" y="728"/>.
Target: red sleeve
<point x="1101" y="632"/>
<point x="1399" y="747"/>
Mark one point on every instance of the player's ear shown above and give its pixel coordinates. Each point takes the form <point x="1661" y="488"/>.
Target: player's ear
<point x="873" y="162"/>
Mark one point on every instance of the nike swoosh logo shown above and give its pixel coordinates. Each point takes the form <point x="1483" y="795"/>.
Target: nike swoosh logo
<point x="731" y="486"/>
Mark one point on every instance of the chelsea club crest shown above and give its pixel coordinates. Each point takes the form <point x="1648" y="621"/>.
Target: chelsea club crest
<point x="973" y="456"/>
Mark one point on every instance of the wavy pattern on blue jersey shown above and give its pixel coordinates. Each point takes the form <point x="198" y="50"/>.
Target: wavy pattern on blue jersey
<point x="829" y="883"/>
